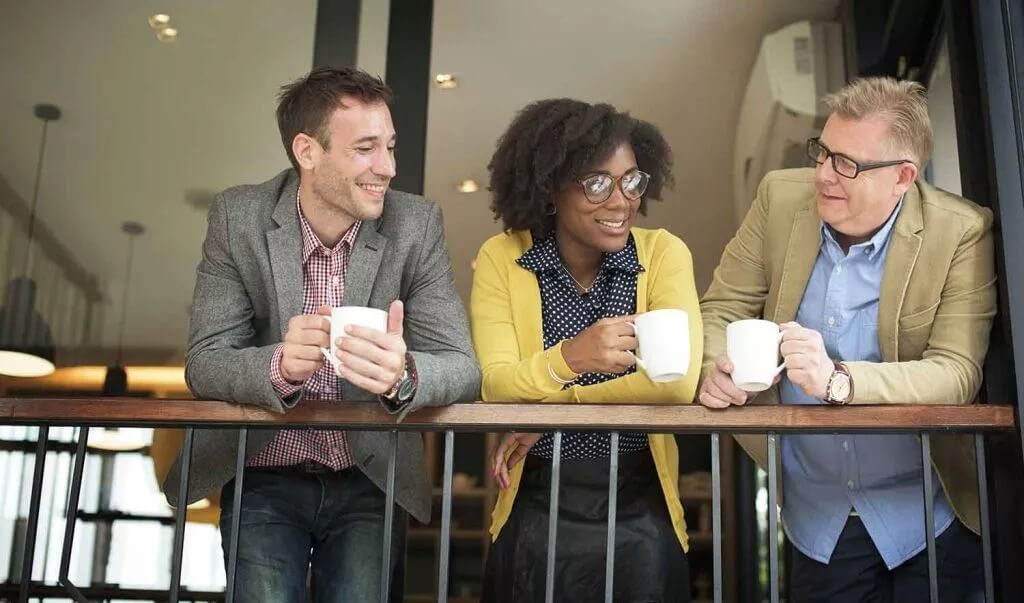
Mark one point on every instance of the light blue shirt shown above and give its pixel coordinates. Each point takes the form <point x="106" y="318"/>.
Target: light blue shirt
<point x="825" y="477"/>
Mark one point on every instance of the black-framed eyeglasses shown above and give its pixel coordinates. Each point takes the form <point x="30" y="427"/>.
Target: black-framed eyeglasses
<point x="598" y="187"/>
<point x="843" y="165"/>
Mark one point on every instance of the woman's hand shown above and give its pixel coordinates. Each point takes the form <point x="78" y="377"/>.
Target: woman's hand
<point x="604" y="347"/>
<point x="510" y="450"/>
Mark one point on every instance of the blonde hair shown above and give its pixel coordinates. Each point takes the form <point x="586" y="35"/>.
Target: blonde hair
<point x="901" y="103"/>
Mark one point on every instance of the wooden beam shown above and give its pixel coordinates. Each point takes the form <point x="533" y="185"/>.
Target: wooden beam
<point x="491" y="417"/>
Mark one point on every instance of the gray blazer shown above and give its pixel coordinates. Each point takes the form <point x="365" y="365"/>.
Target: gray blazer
<point x="249" y="284"/>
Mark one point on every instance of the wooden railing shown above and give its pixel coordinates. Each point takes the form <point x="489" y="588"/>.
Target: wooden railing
<point x="923" y="420"/>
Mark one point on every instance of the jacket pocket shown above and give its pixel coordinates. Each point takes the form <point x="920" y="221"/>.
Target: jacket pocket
<point x="919" y="318"/>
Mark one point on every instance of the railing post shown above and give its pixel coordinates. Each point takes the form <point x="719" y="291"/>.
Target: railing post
<point x="236" y="514"/>
<point x="613" y="503"/>
<point x="556" y="469"/>
<point x="929" y="516"/>
<point x="716" y="516"/>
<point x="773" y="521"/>
<point x="389" y="520"/>
<point x="446" y="516"/>
<point x="29" y="552"/>
<point x="986" y="536"/>
<point x="74" y="494"/>
<point x="180" y="512"/>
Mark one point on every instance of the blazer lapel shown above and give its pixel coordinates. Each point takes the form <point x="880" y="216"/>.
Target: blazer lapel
<point x="285" y="248"/>
<point x="363" y="264"/>
<point x="904" y="247"/>
<point x="802" y="252"/>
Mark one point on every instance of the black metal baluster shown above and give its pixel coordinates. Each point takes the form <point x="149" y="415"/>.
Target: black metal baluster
<point x="716" y="516"/>
<point x="556" y="469"/>
<point x="773" y="520"/>
<point x="446" y="516"/>
<point x="29" y="552"/>
<point x="389" y="520"/>
<point x="180" y="512"/>
<point x="929" y="516"/>
<point x="986" y="535"/>
<point x="613" y="500"/>
<point x="236" y="514"/>
<point x="74" y="494"/>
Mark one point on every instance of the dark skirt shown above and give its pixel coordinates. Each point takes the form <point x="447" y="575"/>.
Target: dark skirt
<point x="650" y="564"/>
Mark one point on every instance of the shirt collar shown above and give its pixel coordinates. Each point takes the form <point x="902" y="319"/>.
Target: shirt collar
<point x="311" y="242"/>
<point x="877" y="240"/>
<point x="543" y="257"/>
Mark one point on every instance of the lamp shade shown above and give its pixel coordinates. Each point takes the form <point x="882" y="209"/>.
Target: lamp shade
<point x="26" y="344"/>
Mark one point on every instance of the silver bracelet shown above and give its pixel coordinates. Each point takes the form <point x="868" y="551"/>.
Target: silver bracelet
<point x="555" y="377"/>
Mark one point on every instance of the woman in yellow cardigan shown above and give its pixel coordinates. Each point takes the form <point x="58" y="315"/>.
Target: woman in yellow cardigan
<point x="552" y="304"/>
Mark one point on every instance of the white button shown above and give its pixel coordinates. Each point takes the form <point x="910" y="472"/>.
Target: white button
<point x="846" y="445"/>
<point x="849" y="484"/>
<point x="831" y="320"/>
<point x="839" y="269"/>
<point x="336" y="279"/>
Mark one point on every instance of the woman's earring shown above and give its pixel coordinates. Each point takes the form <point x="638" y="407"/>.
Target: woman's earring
<point x="552" y="211"/>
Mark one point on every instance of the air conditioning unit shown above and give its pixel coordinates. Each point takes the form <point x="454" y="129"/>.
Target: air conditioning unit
<point x="796" y="66"/>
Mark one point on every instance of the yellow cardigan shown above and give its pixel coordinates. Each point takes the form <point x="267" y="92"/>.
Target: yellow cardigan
<point x="509" y="341"/>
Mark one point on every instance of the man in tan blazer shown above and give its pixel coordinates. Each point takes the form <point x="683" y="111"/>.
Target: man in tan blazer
<point x="884" y="289"/>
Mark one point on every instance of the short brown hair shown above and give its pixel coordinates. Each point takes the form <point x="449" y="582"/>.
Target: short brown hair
<point x="305" y="105"/>
<point x="901" y="102"/>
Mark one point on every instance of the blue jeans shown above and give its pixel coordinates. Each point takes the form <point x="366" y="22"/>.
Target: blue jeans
<point x="296" y="522"/>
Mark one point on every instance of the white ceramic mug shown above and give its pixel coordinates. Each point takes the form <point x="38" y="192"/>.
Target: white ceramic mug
<point x="664" y="344"/>
<point x="753" y="348"/>
<point x="343" y="316"/>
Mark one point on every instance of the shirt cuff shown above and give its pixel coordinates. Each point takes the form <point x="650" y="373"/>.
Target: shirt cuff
<point x="281" y="385"/>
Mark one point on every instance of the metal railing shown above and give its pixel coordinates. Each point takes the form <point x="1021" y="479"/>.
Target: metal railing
<point x="923" y="420"/>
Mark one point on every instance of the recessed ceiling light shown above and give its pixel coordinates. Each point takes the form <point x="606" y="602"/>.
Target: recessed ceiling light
<point x="467" y="186"/>
<point x="167" y="34"/>
<point x="446" y="80"/>
<point x="159" y="21"/>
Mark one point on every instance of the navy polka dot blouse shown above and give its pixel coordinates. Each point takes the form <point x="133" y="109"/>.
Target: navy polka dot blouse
<point x="566" y="313"/>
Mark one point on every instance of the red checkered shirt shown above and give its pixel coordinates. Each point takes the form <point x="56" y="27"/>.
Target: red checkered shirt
<point x="323" y="283"/>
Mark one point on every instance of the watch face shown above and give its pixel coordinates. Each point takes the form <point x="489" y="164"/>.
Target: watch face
<point x="406" y="389"/>
<point x="839" y="387"/>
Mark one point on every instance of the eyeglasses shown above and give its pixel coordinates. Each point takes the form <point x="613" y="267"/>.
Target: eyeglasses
<point x="598" y="187"/>
<point x="843" y="165"/>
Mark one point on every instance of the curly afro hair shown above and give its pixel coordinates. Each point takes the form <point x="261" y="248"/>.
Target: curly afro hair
<point x="552" y="143"/>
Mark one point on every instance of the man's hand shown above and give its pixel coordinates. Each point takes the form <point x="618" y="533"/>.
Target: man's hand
<point x="604" y="347"/>
<point x="510" y="450"/>
<point x="372" y="360"/>
<point x="807" y="363"/>
<point x="718" y="390"/>
<point x="300" y="354"/>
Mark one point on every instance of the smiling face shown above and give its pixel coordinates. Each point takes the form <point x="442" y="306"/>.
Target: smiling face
<point x="857" y="207"/>
<point x="598" y="227"/>
<point x="353" y="173"/>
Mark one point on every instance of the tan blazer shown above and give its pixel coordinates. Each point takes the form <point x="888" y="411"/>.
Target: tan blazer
<point x="935" y="310"/>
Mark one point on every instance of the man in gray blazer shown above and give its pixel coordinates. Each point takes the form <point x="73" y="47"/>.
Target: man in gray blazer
<point x="277" y="257"/>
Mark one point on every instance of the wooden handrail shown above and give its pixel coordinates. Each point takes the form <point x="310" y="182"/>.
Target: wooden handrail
<point x="501" y="417"/>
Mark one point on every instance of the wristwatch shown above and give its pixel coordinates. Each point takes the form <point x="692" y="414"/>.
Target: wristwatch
<point x="840" y="386"/>
<point x="405" y="388"/>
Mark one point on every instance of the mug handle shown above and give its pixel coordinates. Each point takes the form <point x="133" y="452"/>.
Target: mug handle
<point x="639" y="360"/>
<point x="332" y="360"/>
<point x="779" y="368"/>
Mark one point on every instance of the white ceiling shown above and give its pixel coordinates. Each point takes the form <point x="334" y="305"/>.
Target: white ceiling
<point x="146" y="124"/>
